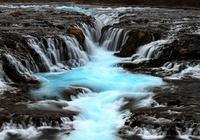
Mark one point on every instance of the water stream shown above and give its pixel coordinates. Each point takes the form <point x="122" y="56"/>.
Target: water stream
<point x="99" y="118"/>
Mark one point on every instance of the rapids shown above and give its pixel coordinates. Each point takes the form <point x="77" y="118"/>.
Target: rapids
<point x="99" y="118"/>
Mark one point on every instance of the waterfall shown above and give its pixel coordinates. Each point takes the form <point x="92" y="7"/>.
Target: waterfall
<point x="149" y="51"/>
<point x="16" y="71"/>
<point x="77" y="56"/>
<point x="182" y="70"/>
<point x="2" y="85"/>
<point x="34" y="44"/>
<point x="22" y="133"/>
<point x="93" y="32"/>
<point x="2" y="82"/>
<point x="58" y="52"/>
<point x="16" y="64"/>
<point x="92" y="123"/>
<point x="113" y="39"/>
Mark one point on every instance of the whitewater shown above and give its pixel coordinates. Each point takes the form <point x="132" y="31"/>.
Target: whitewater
<point x="99" y="117"/>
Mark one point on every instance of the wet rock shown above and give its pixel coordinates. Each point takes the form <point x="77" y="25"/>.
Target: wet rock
<point x="74" y="91"/>
<point x="175" y="114"/>
<point x="171" y="132"/>
<point x="36" y="41"/>
<point x="19" y="27"/>
<point x="27" y="110"/>
<point x="136" y="39"/>
<point x="17" y="14"/>
<point x="180" y="31"/>
<point x="77" y="33"/>
<point x="186" y="47"/>
<point x="16" y="72"/>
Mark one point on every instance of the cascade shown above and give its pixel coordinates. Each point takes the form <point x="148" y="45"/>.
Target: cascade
<point x="34" y="43"/>
<point x="113" y="39"/>
<point x="2" y="82"/>
<point x="58" y="52"/>
<point x="150" y="51"/>
<point x="17" y="64"/>
<point x="99" y="117"/>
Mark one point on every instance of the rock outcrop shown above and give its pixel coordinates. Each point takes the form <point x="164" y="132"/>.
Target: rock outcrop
<point x="154" y="37"/>
<point x="32" y="42"/>
<point x="155" y="3"/>
<point x="174" y="113"/>
<point x="73" y="91"/>
<point x="158" y="42"/>
<point x="42" y="41"/>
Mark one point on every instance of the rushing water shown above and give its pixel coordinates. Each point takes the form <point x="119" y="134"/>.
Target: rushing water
<point x="99" y="118"/>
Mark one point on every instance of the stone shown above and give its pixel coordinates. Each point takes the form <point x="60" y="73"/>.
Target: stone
<point x="77" y="33"/>
<point x="74" y="91"/>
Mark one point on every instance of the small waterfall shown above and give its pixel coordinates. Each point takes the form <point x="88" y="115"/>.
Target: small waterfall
<point x="182" y="70"/>
<point x="104" y="19"/>
<point x="2" y="82"/>
<point x="93" y="30"/>
<point x="16" y="64"/>
<point x="16" y="71"/>
<point x="34" y="43"/>
<point x="2" y="85"/>
<point x="149" y="51"/>
<point x="77" y="56"/>
<point x="113" y="39"/>
<point x="92" y="33"/>
<point x="18" y="131"/>
<point x="57" y="52"/>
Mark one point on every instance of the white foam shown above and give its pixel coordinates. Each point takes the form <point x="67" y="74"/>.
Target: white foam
<point x="74" y="8"/>
<point x="150" y="51"/>
<point x="192" y="72"/>
<point x="24" y="133"/>
<point x="2" y="86"/>
<point x="48" y="105"/>
<point x="21" y="6"/>
<point x="146" y="133"/>
<point x="92" y="122"/>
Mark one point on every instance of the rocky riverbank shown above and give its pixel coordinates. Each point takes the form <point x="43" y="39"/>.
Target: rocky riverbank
<point x="32" y="40"/>
<point x="164" y="43"/>
<point x="192" y="4"/>
<point x="160" y="42"/>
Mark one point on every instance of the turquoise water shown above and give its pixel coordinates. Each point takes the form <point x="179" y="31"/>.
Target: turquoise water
<point x="99" y="118"/>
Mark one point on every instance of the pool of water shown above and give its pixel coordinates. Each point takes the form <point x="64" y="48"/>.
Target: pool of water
<point x="99" y="118"/>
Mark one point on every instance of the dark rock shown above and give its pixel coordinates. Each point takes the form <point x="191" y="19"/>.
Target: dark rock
<point x="181" y="48"/>
<point x="74" y="91"/>
<point x="171" y="132"/>
<point x="17" y="14"/>
<point x="136" y="39"/>
<point x="176" y="112"/>
<point x="77" y="33"/>
<point x="16" y="72"/>
<point x="20" y="60"/>
<point x="25" y="109"/>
